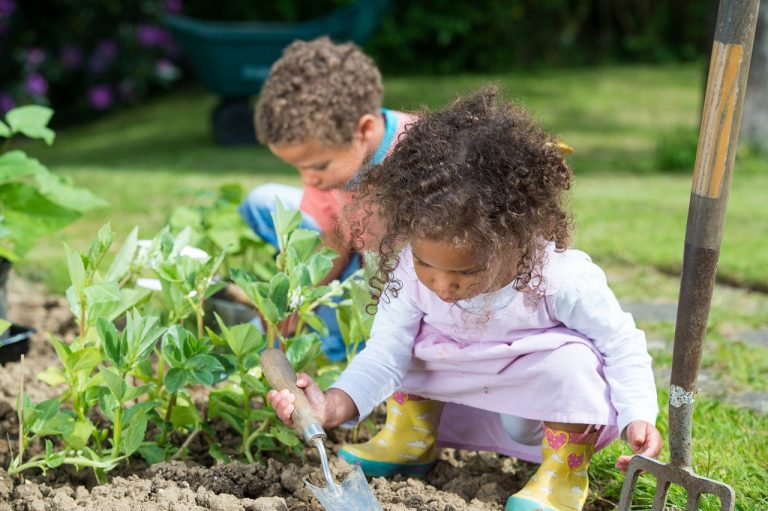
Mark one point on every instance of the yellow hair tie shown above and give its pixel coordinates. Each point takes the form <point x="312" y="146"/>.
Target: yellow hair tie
<point x="564" y="148"/>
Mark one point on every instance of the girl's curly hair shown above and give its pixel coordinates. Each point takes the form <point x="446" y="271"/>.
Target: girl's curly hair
<point x="481" y="173"/>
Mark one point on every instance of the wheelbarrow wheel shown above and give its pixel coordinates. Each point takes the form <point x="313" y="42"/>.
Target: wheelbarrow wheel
<point x="232" y="122"/>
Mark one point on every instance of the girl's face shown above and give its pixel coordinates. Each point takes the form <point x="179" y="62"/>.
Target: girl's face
<point x="451" y="272"/>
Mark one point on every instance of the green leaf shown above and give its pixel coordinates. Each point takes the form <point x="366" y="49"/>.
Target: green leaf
<point x="302" y="349"/>
<point x="80" y="434"/>
<point x="76" y="267"/>
<point x="31" y="121"/>
<point x="122" y="262"/>
<point x="60" y="424"/>
<point x="319" y="265"/>
<point x="30" y="216"/>
<point x="175" y="379"/>
<point x="84" y="360"/>
<point x="107" y="403"/>
<point x="61" y="191"/>
<point x="114" y="349"/>
<point x="185" y="417"/>
<point x="132" y="392"/>
<point x="244" y="338"/>
<point x="16" y="164"/>
<point x="52" y="375"/>
<point x="4" y="325"/>
<point x="286" y="221"/>
<point x="101" y="300"/>
<point x="316" y="323"/>
<point x="278" y="292"/>
<point x="133" y="434"/>
<point x="141" y="334"/>
<point x="99" y="247"/>
<point x="151" y="453"/>
<point x="285" y="436"/>
<point x="116" y="384"/>
<point x="255" y="384"/>
<point x="129" y="298"/>
<point x="304" y="242"/>
<point x="5" y="131"/>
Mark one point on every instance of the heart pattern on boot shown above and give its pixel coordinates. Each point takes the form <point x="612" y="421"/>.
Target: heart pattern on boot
<point x="556" y="440"/>
<point x="575" y="461"/>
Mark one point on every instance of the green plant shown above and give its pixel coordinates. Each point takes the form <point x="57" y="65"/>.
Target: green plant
<point x="217" y="226"/>
<point x="34" y="202"/>
<point x="186" y="278"/>
<point x="285" y="303"/>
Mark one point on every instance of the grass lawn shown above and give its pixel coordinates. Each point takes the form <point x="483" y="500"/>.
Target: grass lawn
<point x="146" y="160"/>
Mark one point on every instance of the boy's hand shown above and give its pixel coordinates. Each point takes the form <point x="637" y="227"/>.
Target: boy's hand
<point x="282" y="401"/>
<point x="643" y="438"/>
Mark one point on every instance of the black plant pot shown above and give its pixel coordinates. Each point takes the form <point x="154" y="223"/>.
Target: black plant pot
<point x="14" y="342"/>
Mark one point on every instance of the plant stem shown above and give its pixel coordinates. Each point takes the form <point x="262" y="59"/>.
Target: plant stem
<point x="263" y="426"/>
<point x="200" y="313"/>
<point x="118" y="430"/>
<point x="39" y="462"/>
<point x="169" y="410"/>
<point x="82" y="318"/>
<point x="21" y="412"/>
<point x="247" y="421"/>
<point x="186" y="443"/>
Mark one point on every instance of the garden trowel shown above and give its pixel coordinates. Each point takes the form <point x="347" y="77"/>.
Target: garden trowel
<point x="353" y="494"/>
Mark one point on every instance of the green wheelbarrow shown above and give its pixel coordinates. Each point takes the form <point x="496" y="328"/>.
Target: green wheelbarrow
<point x="233" y="59"/>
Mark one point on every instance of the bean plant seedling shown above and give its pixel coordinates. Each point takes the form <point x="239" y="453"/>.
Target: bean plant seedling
<point x="136" y="354"/>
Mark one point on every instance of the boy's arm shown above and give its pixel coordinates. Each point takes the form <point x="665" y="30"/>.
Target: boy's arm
<point x="335" y="241"/>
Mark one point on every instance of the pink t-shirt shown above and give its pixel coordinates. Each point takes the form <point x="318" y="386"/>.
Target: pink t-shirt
<point x="326" y="206"/>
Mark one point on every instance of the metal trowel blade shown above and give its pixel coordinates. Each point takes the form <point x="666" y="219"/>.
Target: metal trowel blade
<point x="353" y="494"/>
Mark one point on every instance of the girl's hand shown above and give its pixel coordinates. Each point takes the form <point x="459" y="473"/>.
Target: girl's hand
<point x="282" y="401"/>
<point x="643" y="438"/>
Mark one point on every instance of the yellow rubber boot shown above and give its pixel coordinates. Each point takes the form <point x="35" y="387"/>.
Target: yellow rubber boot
<point x="407" y="444"/>
<point x="561" y="482"/>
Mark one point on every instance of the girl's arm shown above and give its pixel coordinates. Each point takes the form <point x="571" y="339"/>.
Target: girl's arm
<point x="373" y="375"/>
<point x="585" y="303"/>
<point x="377" y="371"/>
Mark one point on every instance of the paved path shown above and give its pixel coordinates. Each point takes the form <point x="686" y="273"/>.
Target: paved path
<point x="707" y="383"/>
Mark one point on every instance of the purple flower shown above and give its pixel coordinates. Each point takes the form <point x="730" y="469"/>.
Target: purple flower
<point x="152" y="35"/>
<point x="35" y="57"/>
<point x="103" y="56"/>
<point x="7" y="8"/>
<point x="6" y="102"/>
<point x="174" y="6"/>
<point x="100" y="97"/>
<point x="36" y="85"/>
<point x="71" y="57"/>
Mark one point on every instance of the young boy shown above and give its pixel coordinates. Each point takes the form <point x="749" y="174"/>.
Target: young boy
<point x="320" y="111"/>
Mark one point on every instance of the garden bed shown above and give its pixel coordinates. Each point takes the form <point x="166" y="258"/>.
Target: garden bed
<point x="460" y="481"/>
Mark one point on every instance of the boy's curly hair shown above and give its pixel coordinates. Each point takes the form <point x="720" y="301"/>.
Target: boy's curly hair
<point x="478" y="173"/>
<point x="317" y="89"/>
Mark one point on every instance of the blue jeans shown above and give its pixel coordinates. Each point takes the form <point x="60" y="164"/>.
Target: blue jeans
<point x="257" y="210"/>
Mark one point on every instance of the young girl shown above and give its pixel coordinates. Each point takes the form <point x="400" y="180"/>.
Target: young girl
<point x="482" y="306"/>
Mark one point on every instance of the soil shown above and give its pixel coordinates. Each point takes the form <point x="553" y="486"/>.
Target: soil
<point x="462" y="480"/>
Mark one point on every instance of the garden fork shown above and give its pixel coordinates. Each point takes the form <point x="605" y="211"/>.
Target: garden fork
<point x="720" y="122"/>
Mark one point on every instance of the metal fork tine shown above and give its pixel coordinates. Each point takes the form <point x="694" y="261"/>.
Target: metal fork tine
<point x="660" y="497"/>
<point x="693" y="500"/>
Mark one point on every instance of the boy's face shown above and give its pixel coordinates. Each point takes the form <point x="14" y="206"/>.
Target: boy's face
<point x="321" y="166"/>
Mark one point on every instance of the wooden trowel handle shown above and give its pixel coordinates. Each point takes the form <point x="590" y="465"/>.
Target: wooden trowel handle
<point x="281" y="376"/>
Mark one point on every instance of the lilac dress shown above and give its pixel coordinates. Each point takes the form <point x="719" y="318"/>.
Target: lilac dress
<point x="571" y="356"/>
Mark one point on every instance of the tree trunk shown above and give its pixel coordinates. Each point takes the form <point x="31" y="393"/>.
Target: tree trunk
<point x="754" y="126"/>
